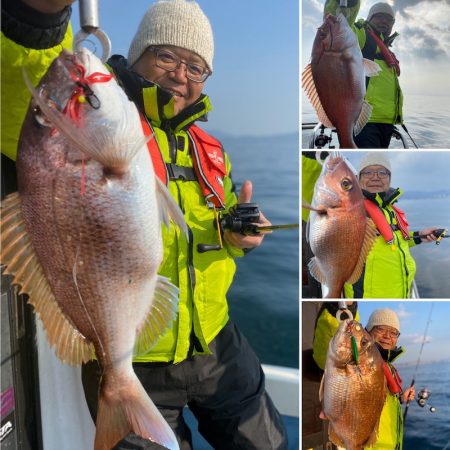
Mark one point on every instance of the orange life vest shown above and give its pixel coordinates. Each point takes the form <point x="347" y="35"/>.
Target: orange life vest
<point x="208" y="162"/>
<point x="383" y="226"/>
<point x="393" y="379"/>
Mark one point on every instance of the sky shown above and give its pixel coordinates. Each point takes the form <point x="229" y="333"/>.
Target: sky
<point x="414" y="170"/>
<point x="413" y="316"/>
<point x="254" y="88"/>
<point x="423" y="44"/>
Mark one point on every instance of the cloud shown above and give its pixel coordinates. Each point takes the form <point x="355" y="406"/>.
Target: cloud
<point x="414" y="339"/>
<point x="403" y="313"/>
<point x="422" y="44"/>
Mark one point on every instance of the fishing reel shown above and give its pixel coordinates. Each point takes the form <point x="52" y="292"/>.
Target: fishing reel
<point x="322" y="140"/>
<point x="241" y="218"/>
<point x="422" y="398"/>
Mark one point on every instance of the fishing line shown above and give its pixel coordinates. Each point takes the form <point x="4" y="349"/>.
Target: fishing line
<point x="418" y="360"/>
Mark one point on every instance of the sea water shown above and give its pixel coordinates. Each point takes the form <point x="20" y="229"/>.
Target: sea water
<point x="432" y="261"/>
<point x="425" y="430"/>
<point x="264" y="297"/>
<point x="426" y="117"/>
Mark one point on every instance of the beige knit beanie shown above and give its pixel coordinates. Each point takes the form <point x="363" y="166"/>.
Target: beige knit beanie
<point x="174" y="22"/>
<point x="375" y="158"/>
<point x="385" y="317"/>
<point x="378" y="8"/>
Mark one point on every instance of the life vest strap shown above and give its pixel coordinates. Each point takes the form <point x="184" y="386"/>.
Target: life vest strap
<point x="181" y="172"/>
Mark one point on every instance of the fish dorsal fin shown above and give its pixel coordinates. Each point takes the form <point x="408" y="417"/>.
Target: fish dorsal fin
<point x="310" y="89"/>
<point x="168" y="209"/>
<point x="369" y="240"/>
<point x="364" y="116"/>
<point x="18" y="254"/>
<point x="162" y="312"/>
<point x="371" y="68"/>
<point x="315" y="271"/>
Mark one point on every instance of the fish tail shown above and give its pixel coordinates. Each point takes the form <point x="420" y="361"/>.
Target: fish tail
<point x="123" y="407"/>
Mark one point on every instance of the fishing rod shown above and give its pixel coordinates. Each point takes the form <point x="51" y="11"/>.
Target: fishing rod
<point x="418" y="361"/>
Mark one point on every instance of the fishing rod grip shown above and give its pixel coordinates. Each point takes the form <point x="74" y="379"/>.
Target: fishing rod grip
<point x="408" y="401"/>
<point x="89" y="15"/>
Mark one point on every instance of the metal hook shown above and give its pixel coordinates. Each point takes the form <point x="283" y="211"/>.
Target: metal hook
<point x="101" y="36"/>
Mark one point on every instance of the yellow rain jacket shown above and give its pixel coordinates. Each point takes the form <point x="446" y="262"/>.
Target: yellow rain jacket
<point x="389" y="269"/>
<point x="390" y="431"/>
<point x="203" y="278"/>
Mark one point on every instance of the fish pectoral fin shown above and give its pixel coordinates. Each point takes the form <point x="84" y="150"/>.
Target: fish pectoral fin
<point x="315" y="271"/>
<point x="310" y="89"/>
<point x="162" y="312"/>
<point x="17" y="253"/>
<point x="364" y="116"/>
<point x="334" y="438"/>
<point x="372" y="439"/>
<point x="371" y="68"/>
<point x="369" y="240"/>
<point x="168" y="209"/>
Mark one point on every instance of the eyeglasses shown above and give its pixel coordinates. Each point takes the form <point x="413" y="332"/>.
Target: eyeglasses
<point x="386" y="331"/>
<point x="371" y="173"/>
<point x="167" y="60"/>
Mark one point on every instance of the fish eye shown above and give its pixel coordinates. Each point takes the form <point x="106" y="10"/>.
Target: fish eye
<point x="346" y="184"/>
<point x="40" y="117"/>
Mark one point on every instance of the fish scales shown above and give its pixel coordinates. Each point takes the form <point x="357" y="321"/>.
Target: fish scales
<point x="92" y="206"/>
<point x="339" y="233"/>
<point x="353" y="395"/>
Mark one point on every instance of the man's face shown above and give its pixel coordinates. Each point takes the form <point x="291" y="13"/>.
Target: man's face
<point x="385" y="335"/>
<point x="382" y="23"/>
<point x="184" y="90"/>
<point x="375" y="179"/>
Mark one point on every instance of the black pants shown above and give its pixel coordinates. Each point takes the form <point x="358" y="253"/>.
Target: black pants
<point x="225" y="391"/>
<point x="374" y="135"/>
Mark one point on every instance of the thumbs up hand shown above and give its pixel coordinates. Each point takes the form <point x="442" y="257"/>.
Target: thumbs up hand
<point x="237" y="239"/>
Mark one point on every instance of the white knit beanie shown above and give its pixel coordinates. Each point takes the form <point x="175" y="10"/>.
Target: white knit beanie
<point x="383" y="8"/>
<point x="385" y="317"/>
<point x="179" y="23"/>
<point x="374" y="159"/>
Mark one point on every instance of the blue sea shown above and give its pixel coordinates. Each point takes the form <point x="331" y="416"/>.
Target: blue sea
<point x="432" y="261"/>
<point x="426" y="117"/>
<point x="425" y="430"/>
<point x="264" y="297"/>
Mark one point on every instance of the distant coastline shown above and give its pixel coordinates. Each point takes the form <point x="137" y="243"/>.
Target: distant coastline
<point x="416" y="195"/>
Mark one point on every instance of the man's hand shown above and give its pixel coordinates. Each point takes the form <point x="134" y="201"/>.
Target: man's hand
<point x="428" y="233"/>
<point x="409" y="394"/>
<point x="238" y="239"/>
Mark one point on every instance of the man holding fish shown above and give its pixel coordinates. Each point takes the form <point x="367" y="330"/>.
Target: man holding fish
<point x="389" y="268"/>
<point x="383" y="91"/>
<point x="383" y="327"/>
<point x="201" y="360"/>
